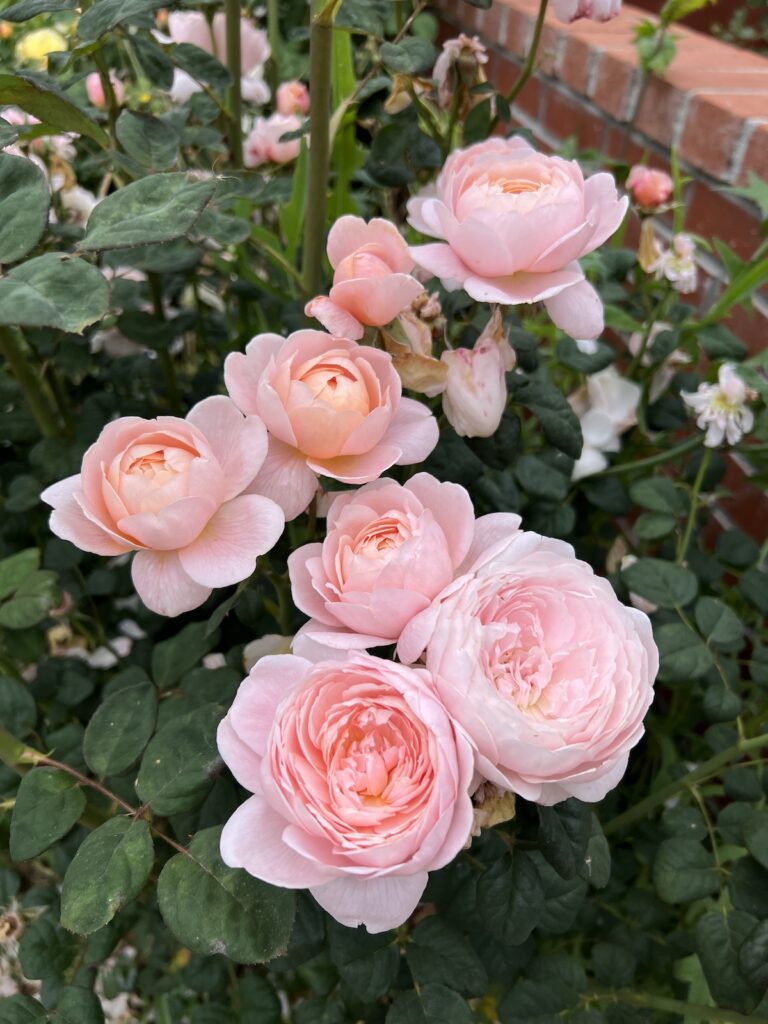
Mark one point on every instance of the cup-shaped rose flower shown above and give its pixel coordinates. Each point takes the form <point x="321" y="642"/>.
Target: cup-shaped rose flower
<point x="292" y="98"/>
<point x="389" y="550"/>
<point x="514" y="224"/>
<point x="540" y="662"/>
<point x="332" y="408"/>
<point x="264" y="144"/>
<point x="360" y="779"/>
<point x="94" y="87"/>
<point x="171" y="490"/>
<point x="372" y="282"/>
<point x="649" y="187"/>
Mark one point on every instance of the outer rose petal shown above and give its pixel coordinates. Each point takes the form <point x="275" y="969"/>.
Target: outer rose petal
<point x="334" y="318"/>
<point x="239" y="443"/>
<point x="242" y="371"/>
<point x="173" y="527"/>
<point x="376" y="300"/>
<point x="314" y="635"/>
<point x="69" y="522"/>
<point x="492" y="529"/>
<point x="162" y="584"/>
<point x="227" y="549"/>
<point x="441" y="261"/>
<point x="305" y="646"/>
<point x="350" y="233"/>
<point x="522" y="287"/>
<point x="414" y="430"/>
<point x="378" y="903"/>
<point x="578" y="311"/>
<point x="286" y="479"/>
<point x="359" y="469"/>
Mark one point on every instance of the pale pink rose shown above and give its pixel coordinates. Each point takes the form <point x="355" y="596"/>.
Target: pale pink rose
<point x="597" y="10"/>
<point x="389" y="550"/>
<point x="263" y="144"/>
<point x="475" y="393"/>
<point x="171" y="489"/>
<point x="292" y="98"/>
<point x="514" y="224"/>
<point x="332" y="408"/>
<point x="371" y="282"/>
<point x="361" y="783"/>
<point x="95" y="89"/>
<point x="540" y="662"/>
<point x="649" y="187"/>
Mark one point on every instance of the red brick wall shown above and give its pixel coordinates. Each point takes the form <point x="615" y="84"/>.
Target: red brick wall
<point x="711" y="103"/>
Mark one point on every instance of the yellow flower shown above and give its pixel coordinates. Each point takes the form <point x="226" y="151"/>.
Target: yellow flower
<point x="34" y="47"/>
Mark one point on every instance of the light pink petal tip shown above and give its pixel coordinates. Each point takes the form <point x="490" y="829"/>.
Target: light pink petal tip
<point x="377" y="903"/>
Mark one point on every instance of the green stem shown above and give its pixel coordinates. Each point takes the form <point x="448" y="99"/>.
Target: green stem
<point x="704" y="771"/>
<point x="234" y="63"/>
<point x="320" y="49"/>
<point x="166" y="361"/>
<point x="31" y="386"/>
<point x="652" y="460"/>
<point x="113" y="107"/>
<point x="273" y="35"/>
<point x="61" y="398"/>
<point x="530" y="63"/>
<point x="688" y="1010"/>
<point x="686" y="538"/>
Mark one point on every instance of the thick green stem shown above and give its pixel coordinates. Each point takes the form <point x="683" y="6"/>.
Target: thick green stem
<point x="665" y="1005"/>
<point x="234" y="62"/>
<point x="704" y="771"/>
<point x="686" y="538"/>
<point x="31" y="386"/>
<point x="320" y="49"/>
<point x="273" y="35"/>
<point x="530" y="64"/>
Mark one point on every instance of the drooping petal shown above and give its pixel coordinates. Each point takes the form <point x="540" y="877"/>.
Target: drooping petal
<point x="377" y="903"/>
<point x="334" y="318"/>
<point x="441" y="261"/>
<point x="162" y="584"/>
<point x="578" y="311"/>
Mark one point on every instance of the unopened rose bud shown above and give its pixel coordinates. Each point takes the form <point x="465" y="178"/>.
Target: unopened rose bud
<point x="6" y="30"/>
<point x="649" y="188"/>
<point x="459" y="65"/>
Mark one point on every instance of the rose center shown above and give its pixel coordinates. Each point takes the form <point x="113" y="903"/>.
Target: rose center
<point x="369" y="757"/>
<point x="338" y="386"/>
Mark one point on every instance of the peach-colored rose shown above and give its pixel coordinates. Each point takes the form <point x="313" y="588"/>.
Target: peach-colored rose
<point x="332" y="408"/>
<point x="371" y="282"/>
<point x="649" y="187"/>
<point x="475" y="393"/>
<point x="540" y="662"/>
<point x="360" y="779"/>
<point x="171" y="489"/>
<point x="292" y="98"/>
<point x="95" y="89"/>
<point x="597" y="10"/>
<point x="264" y="143"/>
<point x="514" y="224"/>
<point x="388" y="552"/>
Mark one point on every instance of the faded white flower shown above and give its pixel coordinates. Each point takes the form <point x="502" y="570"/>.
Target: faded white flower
<point x="666" y="371"/>
<point x="722" y="408"/>
<point x="677" y="264"/>
<point x="606" y="407"/>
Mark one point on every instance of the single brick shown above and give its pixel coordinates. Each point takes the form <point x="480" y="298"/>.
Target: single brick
<point x="713" y="126"/>
<point x="713" y="213"/>
<point x="659" y="109"/>
<point x="755" y="157"/>
<point x="616" y="88"/>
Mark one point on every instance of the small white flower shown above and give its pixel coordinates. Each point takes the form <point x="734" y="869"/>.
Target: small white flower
<point x="606" y="407"/>
<point x="677" y="264"/>
<point x="722" y="408"/>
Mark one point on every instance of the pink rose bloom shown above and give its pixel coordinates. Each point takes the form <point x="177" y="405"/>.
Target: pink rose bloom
<point x="388" y="552"/>
<point x="540" y="662"/>
<point x="171" y="490"/>
<point x="292" y="98"/>
<point x="332" y="408"/>
<point x="371" y="281"/>
<point x="514" y="224"/>
<point x="95" y="90"/>
<point x="597" y="10"/>
<point x="649" y="187"/>
<point x="264" y="146"/>
<point x="360" y="779"/>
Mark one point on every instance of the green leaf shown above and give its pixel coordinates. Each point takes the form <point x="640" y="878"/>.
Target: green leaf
<point x="753" y="957"/>
<point x="736" y="548"/>
<point x="654" y="525"/>
<point x="659" y="494"/>
<point x="106" y="14"/>
<point x="740" y="290"/>
<point x="109" y="869"/>
<point x="158" y="208"/>
<point x="16" y="568"/>
<point x="22" y="1010"/>
<point x="682" y="653"/>
<point x="215" y="909"/>
<point x="563" y="898"/>
<point x="32" y="601"/>
<point x="718" y="623"/>
<point x="18" y="711"/>
<point x="596" y="866"/>
<point x="438" y="954"/>
<point x="201" y="66"/>
<point x="77" y="1005"/>
<point x="720" y="343"/>
<point x="558" y="420"/>
<point x="24" y="204"/>
<point x="173" y="658"/>
<point x="49" y="105"/>
<point x="541" y="480"/>
<point x="48" y="804"/>
<point x="755" y="833"/>
<point x="181" y="761"/>
<point x="664" y="583"/>
<point x="433" y="1004"/>
<point x="31" y="8"/>
<point x="684" y="871"/>
<point x="412" y="56"/>
<point x="152" y="143"/>
<point x="367" y="963"/>
<point x="510" y="898"/>
<point x="45" y="949"/>
<point x="54" y="290"/>
<point x="718" y="938"/>
<point x="614" y="965"/>
<point x="120" y="729"/>
<point x="564" y="832"/>
<point x="754" y="586"/>
<point x="756" y="190"/>
<point x="569" y="354"/>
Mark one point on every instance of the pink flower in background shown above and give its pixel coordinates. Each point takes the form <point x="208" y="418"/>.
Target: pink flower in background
<point x="264" y="145"/>
<point x="514" y="222"/>
<point x="540" y="662"/>
<point x="292" y="98"/>
<point x="597" y="10"/>
<point x="171" y="489"/>
<point x="372" y="282"/>
<point x="360" y="779"/>
<point x="475" y="394"/>
<point x="95" y="89"/>
<point x="649" y="187"/>
<point x="389" y="550"/>
<point x="332" y="408"/>
<point x="460" y="61"/>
